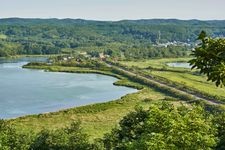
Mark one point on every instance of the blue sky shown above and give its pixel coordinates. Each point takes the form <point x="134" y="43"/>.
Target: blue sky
<point x="114" y="9"/>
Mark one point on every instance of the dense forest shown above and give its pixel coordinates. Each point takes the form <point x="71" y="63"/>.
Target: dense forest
<point x="127" y="38"/>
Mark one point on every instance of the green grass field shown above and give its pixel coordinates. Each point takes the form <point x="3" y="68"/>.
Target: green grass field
<point x="193" y="81"/>
<point x="183" y="76"/>
<point x="155" y="63"/>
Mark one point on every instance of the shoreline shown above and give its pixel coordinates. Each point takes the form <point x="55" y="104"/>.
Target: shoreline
<point x="96" y="118"/>
<point x="49" y="68"/>
<point x="80" y="71"/>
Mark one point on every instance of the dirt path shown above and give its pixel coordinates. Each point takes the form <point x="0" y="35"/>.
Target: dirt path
<point x="195" y="96"/>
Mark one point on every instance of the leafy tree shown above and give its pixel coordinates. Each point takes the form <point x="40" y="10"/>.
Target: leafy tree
<point x="210" y="58"/>
<point x="163" y="127"/>
<point x="108" y="52"/>
<point x="10" y="139"/>
<point x="219" y="121"/>
<point x="70" y="138"/>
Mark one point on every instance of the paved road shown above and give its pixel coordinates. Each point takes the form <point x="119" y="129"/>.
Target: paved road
<point x="195" y="96"/>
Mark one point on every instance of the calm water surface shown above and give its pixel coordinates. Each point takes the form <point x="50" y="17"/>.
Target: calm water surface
<point x="25" y="91"/>
<point x="179" y="64"/>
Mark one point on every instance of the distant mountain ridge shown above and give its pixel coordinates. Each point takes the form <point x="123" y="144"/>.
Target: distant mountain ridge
<point x="130" y="38"/>
<point x="34" y="21"/>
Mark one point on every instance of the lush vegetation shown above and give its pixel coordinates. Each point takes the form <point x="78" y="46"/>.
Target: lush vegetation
<point x="93" y="117"/>
<point x="164" y="126"/>
<point x="69" y="138"/>
<point x="161" y="120"/>
<point x="209" y="58"/>
<point x="182" y="78"/>
<point x="131" y="39"/>
<point x="155" y="127"/>
<point x="161" y="126"/>
<point x="156" y="63"/>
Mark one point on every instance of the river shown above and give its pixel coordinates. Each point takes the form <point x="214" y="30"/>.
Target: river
<point x="27" y="91"/>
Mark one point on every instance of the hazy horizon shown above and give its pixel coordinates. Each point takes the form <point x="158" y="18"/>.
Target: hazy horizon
<point x="114" y="10"/>
<point x="118" y="20"/>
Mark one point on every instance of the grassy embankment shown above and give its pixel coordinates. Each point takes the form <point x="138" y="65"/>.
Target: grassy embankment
<point x="96" y="119"/>
<point x="181" y="77"/>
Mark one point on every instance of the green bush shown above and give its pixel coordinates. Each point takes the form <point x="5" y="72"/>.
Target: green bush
<point x="70" y="138"/>
<point x="163" y="127"/>
<point x="10" y="139"/>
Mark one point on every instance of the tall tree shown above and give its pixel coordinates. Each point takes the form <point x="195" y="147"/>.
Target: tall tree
<point x="210" y="58"/>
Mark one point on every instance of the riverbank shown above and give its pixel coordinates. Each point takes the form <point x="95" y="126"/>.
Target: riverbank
<point x="121" y="82"/>
<point x="96" y="119"/>
<point x="57" y="68"/>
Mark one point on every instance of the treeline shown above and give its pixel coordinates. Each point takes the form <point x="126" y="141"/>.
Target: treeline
<point x="162" y="126"/>
<point x="156" y="52"/>
<point x="123" y="38"/>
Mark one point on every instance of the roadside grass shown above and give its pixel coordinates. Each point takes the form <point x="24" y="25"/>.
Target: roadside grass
<point x="182" y="76"/>
<point x="197" y="82"/>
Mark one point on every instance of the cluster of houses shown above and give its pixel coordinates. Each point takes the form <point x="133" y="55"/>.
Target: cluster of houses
<point x="174" y="43"/>
<point x="101" y="56"/>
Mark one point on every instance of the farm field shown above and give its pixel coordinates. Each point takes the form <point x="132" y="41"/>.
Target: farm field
<point x="155" y="63"/>
<point x="193" y="81"/>
<point x="182" y="76"/>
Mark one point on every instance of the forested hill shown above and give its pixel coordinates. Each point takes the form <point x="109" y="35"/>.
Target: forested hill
<point x="35" y="21"/>
<point x="67" y="21"/>
<point x="171" y="29"/>
<point x="50" y="36"/>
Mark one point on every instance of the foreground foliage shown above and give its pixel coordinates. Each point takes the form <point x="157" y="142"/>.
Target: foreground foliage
<point x="162" y="126"/>
<point x="69" y="138"/>
<point x="210" y="58"/>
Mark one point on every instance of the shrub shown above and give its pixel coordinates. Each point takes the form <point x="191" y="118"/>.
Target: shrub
<point x="163" y="127"/>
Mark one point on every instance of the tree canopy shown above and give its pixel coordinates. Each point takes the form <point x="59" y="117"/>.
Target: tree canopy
<point x="132" y="39"/>
<point x="164" y="126"/>
<point x="210" y="58"/>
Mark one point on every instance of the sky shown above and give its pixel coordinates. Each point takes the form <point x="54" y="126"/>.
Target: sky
<point x="113" y="10"/>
